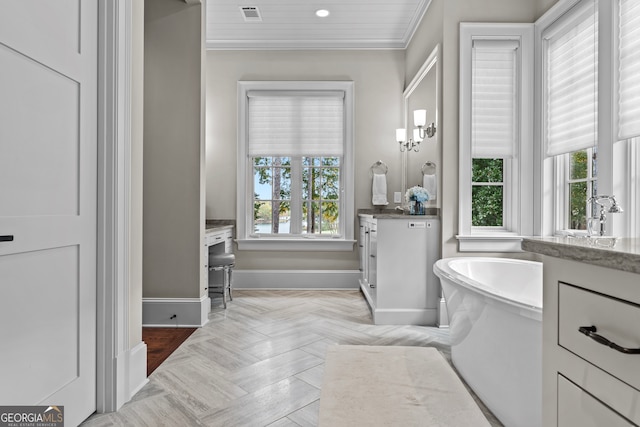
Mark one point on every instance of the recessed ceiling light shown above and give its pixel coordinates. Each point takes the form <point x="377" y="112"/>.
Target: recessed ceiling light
<point x="322" y="13"/>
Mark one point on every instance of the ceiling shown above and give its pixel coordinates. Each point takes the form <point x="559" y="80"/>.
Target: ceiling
<point x="293" y="24"/>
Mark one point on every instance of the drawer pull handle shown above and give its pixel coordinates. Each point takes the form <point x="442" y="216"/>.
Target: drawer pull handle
<point x="7" y="238"/>
<point x="590" y="331"/>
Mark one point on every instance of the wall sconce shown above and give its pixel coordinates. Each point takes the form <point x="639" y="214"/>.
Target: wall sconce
<point x="411" y="143"/>
<point x="421" y="132"/>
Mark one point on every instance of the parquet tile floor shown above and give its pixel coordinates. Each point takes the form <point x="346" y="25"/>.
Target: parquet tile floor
<point x="260" y="361"/>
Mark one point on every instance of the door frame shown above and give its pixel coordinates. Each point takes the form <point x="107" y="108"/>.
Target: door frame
<point x="114" y="366"/>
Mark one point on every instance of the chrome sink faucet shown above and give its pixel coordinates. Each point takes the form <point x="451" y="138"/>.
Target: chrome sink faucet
<point x="613" y="207"/>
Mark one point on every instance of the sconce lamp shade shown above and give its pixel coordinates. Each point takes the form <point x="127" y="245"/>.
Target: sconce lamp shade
<point x="419" y="133"/>
<point x="419" y="118"/>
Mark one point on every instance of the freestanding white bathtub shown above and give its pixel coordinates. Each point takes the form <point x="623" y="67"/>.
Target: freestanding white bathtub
<point x="495" y="320"/>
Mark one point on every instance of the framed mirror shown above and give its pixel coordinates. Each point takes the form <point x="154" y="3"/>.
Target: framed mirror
<point x="424" y="93"/>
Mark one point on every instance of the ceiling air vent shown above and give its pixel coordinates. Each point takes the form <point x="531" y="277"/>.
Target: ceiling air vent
<point x="251" y="14"/>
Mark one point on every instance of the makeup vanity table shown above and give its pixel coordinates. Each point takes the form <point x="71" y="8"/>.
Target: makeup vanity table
<point x="218" y="239"/>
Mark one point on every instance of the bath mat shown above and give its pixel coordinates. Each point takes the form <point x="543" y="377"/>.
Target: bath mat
<point x="393" y="386"/>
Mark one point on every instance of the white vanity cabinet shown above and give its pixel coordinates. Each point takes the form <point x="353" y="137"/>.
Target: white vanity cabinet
<point x="397" y="253"/>
<point x="368" y="252"/>
<point x="587" y="382"/>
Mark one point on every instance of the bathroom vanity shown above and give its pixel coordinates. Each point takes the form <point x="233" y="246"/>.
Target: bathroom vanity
<point x="397" y="253"/>
<point x="218" y="239"/>
<point x="591" y="318"/>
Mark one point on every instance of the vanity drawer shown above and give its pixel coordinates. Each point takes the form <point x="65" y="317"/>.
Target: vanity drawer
<point x="616" y="320"/>
<point x="576" y="407"/>
<point x="217" y="237"/>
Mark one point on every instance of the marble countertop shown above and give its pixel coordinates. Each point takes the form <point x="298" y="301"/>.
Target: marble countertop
<point x="213" y="225"/>
<point x="431" y="213"/>
<point x="624" y="255"/>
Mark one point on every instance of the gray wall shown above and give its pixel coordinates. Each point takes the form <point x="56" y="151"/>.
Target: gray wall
<point x="378" y="79"/>
<point x="137" y="131"/>
<point x="173" y="219"/>
<point x="445" y="16"/>
<point x="456" y="11"/>
<point x="543" y="6"/>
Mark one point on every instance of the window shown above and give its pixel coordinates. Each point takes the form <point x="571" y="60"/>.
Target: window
<point x="579" y="170"/>
<point x="629" y="69"/>
<point x="570" y="81"/>
<point x="597" y="43"/>
<point x="279" y="211"/>
<point x="295" y="166"/>
<point x="487" y="193"/>
<point x="495" y="136"/>
<point x="628" y="115"/>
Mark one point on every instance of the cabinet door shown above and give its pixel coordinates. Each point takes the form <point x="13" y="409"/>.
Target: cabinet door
<point x="363" y="246"/>
<point x="373" y="257"/>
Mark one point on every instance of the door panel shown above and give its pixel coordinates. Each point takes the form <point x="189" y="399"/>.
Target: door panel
<point x="48" y="199"/>
<point x="48" y="31"/>
<point x="42" y="344"/>
<point x="44" y="137"/>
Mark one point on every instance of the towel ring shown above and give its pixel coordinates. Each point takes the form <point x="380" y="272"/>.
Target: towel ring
<point x="429" y="168"/>
<point x="379" y="167"/>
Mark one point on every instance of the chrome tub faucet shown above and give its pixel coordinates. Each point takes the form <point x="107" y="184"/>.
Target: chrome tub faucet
<point x="597" y="226"/>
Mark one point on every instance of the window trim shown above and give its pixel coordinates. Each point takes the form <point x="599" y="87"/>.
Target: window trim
<point x="244" y="198"/>
<point x="518" y="189"/>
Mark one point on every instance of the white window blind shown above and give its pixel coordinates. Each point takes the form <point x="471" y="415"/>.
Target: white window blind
<point x="572" y="84"/>
<point x="494" y="98"/>
<point x="298" y="124"/>
<point x="629" y="70"/>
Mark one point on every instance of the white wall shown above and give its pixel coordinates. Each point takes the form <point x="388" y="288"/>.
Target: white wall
<point x="379" y="82"/>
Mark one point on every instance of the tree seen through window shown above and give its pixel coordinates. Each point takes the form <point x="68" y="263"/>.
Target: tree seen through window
<point x="317" y="198"/>
<point x="487" y="193"/>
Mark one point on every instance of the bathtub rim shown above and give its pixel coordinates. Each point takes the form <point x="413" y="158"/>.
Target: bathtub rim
<point x="442" y="269"/>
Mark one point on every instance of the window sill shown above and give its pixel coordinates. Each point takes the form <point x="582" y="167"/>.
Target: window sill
<point x="489" y="243"/>
<point x="267" y="244"/>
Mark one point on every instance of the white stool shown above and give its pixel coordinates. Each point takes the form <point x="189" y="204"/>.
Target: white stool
<point x="224" y="263"/>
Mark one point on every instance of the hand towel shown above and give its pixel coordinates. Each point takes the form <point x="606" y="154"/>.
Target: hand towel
<point x="430" y="183"/>
<point x="379" y="189"/>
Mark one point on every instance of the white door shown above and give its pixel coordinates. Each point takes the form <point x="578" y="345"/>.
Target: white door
<point x="48" y="196"/>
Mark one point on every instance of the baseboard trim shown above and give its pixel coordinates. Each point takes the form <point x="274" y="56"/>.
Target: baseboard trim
<point x="188" y="312"/>
<point x="296" y="279"/>
<point x="138" y="368"/>
<point x="399" y="316"/>
<point x="131" y="371"/>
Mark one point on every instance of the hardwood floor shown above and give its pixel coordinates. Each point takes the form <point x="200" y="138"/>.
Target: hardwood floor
<point x="161" y="343"/>
<point x="260" y="362"/>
